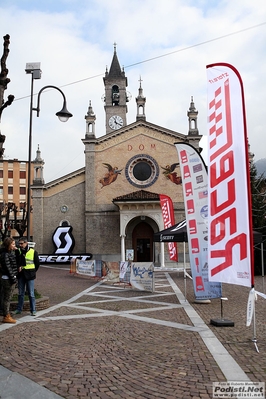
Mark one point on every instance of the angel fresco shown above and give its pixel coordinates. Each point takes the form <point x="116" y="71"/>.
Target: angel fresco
<point x="170" y="174"/>
<point x="110" y="176"/>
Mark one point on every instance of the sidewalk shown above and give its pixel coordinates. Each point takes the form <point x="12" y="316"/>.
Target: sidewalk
<point x="100" y="340"/>
<point x="15" y="386"/>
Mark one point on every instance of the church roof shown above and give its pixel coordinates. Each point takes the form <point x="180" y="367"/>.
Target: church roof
<point x="140" y="195"/>
<point x="144" y="124"/>
<point x="65" y="178"/>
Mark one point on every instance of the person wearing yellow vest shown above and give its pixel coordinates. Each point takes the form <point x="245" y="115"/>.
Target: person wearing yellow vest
<point x="28" y="266"/>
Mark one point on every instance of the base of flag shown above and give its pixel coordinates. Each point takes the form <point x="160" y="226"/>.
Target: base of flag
<point x="222" y="323"/>
<point x="204" y="301"/>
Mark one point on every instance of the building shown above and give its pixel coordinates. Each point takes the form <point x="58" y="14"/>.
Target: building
<point x="112" y="204"/>
<point x="13" y="190"/>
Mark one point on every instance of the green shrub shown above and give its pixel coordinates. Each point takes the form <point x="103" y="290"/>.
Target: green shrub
<point x="26" y="298"/>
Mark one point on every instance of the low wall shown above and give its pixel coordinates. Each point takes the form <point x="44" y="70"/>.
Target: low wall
<point x="41" y="304"/>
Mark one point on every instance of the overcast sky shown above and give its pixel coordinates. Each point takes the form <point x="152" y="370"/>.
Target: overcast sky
<point x="166" y="42"/>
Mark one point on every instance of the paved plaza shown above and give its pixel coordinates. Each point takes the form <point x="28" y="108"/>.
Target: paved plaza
<point x="109" y="341"/>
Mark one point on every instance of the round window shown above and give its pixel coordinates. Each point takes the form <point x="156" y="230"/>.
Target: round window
<point x="142" y="171"/>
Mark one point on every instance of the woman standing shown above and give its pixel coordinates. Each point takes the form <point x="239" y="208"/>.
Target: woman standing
<point x="9" y="272"/>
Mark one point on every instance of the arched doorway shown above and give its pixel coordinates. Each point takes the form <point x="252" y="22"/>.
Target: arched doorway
<point x="142" y="239"/>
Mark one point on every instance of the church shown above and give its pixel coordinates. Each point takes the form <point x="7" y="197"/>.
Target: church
<point x="112" y="204"/>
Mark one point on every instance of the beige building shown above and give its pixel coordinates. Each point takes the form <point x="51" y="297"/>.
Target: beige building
<point x="112" y="204"/>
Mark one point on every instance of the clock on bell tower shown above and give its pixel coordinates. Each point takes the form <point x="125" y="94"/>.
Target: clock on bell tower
<point x="115" y="97"/>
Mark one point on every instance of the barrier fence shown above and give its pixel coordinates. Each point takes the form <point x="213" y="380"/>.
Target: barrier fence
<point x="139" y="275"/>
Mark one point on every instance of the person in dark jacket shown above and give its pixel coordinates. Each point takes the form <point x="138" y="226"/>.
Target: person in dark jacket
<point x="28" y="266"/>
<point x="9" y="272"/>
<point x="1" y="286"/>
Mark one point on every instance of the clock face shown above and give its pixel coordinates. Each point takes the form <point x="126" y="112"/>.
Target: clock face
<point x="116" y="122"/>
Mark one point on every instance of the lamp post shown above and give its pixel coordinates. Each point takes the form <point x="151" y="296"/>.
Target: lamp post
<point x="63" y="115"/>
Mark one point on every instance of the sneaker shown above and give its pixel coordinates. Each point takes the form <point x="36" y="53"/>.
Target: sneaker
<point x="17" y="311"/>
<point x="33" y="313"/>
<point x="8" y="319"/>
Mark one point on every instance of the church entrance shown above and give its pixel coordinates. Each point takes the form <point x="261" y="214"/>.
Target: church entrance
<point x="142" y="239"/>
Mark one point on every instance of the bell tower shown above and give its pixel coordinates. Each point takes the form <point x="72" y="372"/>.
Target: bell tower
<point x="140" y="100"/>
<point x="115" y="97"/>
<point x="38" y="163"/>
<point x="192" y="119"/>
<point x="90" y="122"/>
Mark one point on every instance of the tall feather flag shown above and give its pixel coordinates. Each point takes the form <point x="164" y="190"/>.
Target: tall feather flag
<point x="169" y="220"/>
<point x="230" y="217"/>
<point x="195" y="192"/>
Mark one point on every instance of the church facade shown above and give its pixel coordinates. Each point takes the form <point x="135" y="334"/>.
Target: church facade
<point x="113" y="203"/>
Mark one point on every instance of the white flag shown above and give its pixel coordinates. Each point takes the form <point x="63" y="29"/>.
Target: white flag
<point x="250" y="306"/>
<point x="230" y="254"/>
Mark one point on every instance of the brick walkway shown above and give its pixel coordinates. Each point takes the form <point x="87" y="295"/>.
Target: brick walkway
<point x="98" y="340"/>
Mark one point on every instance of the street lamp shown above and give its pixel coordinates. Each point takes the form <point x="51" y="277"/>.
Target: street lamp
<point x="63" y="115"/>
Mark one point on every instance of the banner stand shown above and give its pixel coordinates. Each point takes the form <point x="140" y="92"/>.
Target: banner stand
<point x="90" y="269"/>
<point x="222" y="322"/>
<point x="204" y="301"/>
<point x="126" y="283"/>
<point x="124" y="273"/>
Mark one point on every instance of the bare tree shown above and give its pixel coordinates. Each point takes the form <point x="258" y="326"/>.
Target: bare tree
<point x="20" y="224"/>
<point x="7" y="222"/>
<point x="4" y="80"/>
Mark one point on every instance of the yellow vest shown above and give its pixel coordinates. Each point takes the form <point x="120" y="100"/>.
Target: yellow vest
<point x="29" y="260"/>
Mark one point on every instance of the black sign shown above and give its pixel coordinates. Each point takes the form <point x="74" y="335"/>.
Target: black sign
<point x="64" y="243"/>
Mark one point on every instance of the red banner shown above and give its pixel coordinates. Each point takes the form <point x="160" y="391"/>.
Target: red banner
<point x="169" y="220"/>
<point x="230" y="255"/>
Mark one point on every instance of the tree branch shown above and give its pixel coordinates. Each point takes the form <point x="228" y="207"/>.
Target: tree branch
<point x="4" y="80"/>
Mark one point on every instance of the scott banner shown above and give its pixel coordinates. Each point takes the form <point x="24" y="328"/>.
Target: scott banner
<point x="230" y="221"/>
<point x="169" y="220"/>
<point x="195" y="189"/>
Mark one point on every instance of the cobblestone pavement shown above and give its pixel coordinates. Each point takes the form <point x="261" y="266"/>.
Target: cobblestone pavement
<point x="100" y="340"/>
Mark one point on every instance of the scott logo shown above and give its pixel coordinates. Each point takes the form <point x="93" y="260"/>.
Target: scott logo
<point x="64" y="243"/>
<point x="63" y="240"/>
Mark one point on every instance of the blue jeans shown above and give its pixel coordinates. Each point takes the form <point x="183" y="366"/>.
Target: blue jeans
<point x="22" y="283"/>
